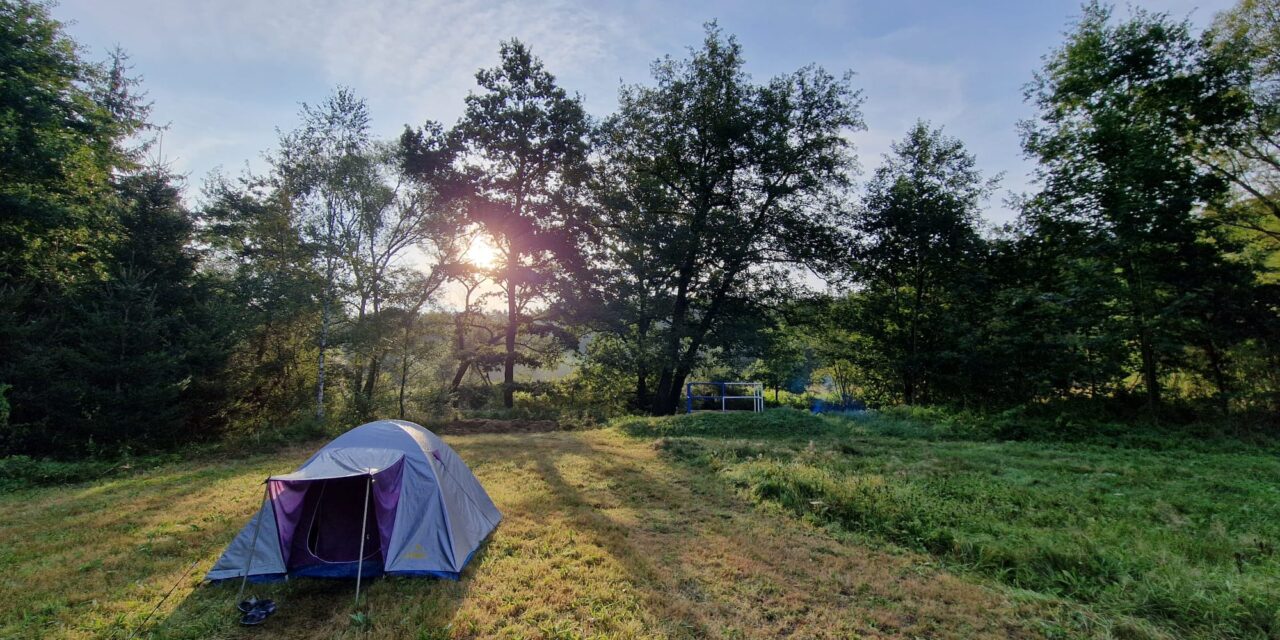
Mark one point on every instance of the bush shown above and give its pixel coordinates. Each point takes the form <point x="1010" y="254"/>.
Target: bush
<point x="1067" y="423"/>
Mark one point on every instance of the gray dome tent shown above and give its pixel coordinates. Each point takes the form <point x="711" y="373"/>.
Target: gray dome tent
<point x="385" y="497"/>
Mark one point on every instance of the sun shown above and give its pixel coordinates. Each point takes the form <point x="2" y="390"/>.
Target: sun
<point x="482" y="253"/>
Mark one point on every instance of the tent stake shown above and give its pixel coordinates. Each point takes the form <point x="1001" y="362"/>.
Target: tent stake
<point x="364" y="521"/>
<point x="253" y="547"/>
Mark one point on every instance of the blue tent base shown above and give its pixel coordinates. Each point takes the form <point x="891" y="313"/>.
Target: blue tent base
<point x="257" y="578"/>
<point x="343" y="570"/>
<point x="267" y="578"/>
<point x="347" y="570"/>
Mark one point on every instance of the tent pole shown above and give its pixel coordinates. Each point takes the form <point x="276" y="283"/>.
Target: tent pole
<point x="253" y="547"/>
<point x="364" y="522"/>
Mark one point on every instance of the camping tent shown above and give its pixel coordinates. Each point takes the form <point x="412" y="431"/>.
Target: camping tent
<point x="385" y="497"/>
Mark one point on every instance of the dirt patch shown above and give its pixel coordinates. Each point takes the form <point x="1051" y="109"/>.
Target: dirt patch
<point x="470" y="426"/>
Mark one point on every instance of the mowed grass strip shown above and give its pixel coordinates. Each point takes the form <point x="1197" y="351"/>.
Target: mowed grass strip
<point x="603" y="537"/>
<point x="1173" y="543"/>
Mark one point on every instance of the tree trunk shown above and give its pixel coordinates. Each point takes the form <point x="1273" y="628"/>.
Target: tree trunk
<point x="404" y="379"/>
<point x="642" y="386"/>
<point x="460" y="345"/>
<point x="909" y="386"/>
<point x="324" y="344"/>
<point x="677" y="385"/>
<point x="370" y="384"/>
<point x="663" y="403"/>
<point x="682" y="360"/>
<point x="457" y="378"/>
<point x="1150" y="373"/>
<point x="667" y="399"/>
<point x="509" y="363"/>
<point x="1217" y="366"/>
<point x="1141" y="300"/>
<point x="642" y="369"/>
<point x="405" y="346"/>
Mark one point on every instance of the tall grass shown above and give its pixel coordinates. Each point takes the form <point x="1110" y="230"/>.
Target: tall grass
<point x="1184" y="540"/>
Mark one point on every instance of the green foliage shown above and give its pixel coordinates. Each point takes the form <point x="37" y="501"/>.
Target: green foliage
<point x="1079" y="422"/>
<point x="1125" y="108"/>
<point x="668" y="241"/>
<point x="19" y="472"/>
<point x="64" y="122"/>
<point x="361" y="621"/>
<point x="713" y="424"/>
<point x="918" y="262"/>
<point x="710" y="184"/>
<point x="269" y="295"/>
<point x="1180" y="539"/>
<point x="1248" y="155"/>
<point x="517" y="162"/>
<point x="785" y="361"/>
<point x="4" y="406"/>
<point x="23" y="472"/>
<point x="1131" y="263"/>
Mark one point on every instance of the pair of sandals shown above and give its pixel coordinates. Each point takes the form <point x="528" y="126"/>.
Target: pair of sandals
<point x="255" y="611"/>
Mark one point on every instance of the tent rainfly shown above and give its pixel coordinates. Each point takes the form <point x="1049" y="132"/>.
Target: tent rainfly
<point x="387" y="497"/>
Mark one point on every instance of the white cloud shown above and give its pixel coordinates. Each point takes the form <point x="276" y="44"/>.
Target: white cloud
<point x="226" y="73"/>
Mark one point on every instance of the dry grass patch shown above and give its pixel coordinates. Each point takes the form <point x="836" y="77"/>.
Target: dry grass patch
<point x="602" y="538"/>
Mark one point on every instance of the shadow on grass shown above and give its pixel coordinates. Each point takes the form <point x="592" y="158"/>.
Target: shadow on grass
<point x="320" y="608"/>
<point x="707" y="565"/>
<point x="648" y="571"/>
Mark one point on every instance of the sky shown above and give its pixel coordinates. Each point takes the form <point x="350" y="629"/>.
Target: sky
<point x="225" y="75"/>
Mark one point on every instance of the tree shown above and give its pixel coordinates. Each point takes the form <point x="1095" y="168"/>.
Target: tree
<point x="630" y="307"/>
<point x="106" y="321"/>
<point x="1038" y="317"/>
<point x="1124" y="110"/>
<point x="1247" y="154"/>
<point x="255" y="242"/>
<point x="65" y="125"/>
<point x="522" y="146"/>
<point x="326" y="170"/>
<point x="397" y="214"/>
<point x="784" y="361"/>
<point x="729" y="185"/>
<point x="918" y="246"/>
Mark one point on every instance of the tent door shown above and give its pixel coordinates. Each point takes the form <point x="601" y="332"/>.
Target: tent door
<point x="332" y="529"/>
<point x="333" y="532"/>
<point x="319" y="522"/>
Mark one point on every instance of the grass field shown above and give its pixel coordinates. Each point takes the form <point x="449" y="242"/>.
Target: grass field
<point x="603" y="537"/>
<point x="779" y="525"/>
<point x="1150" y="543"/>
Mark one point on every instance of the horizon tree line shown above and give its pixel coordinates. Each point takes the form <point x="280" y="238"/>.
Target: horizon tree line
<point x="680" y="234"/>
